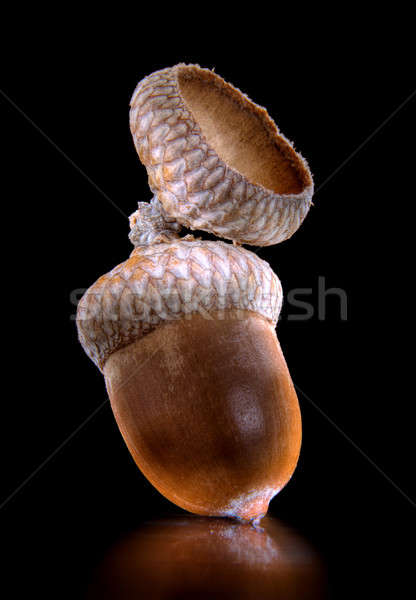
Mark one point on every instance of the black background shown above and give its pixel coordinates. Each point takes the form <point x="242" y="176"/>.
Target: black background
<point x="329" y="87"/>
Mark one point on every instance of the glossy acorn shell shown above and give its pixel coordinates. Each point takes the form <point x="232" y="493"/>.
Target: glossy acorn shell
<point x="209" y="413"/>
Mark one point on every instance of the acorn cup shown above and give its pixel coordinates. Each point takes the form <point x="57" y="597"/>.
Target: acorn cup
<point x="184" y="330"/>
<point x="216" y="160"/>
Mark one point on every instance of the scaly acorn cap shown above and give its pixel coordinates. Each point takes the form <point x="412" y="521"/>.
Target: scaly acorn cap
<point x="172" y="280"/>
<point x="216" y="160"/>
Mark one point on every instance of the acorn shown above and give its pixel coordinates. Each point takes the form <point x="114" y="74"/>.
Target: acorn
<point x="184" y="330"/>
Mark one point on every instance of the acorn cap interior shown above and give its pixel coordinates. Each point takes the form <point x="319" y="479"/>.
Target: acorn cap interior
<point x="241" y="132"/>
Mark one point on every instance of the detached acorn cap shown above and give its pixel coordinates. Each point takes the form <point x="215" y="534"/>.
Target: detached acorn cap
<point x="216" y="160"/>
<point x="172" y="280"/>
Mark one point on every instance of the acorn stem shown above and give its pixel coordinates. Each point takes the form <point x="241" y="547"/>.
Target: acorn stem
<point x="150" y="225"/>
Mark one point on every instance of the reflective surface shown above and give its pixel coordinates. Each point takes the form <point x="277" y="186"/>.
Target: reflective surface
<point x="197" y="557"/>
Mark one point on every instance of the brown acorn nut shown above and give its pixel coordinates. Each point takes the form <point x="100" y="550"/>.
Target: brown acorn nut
<point x="216" y="160"/>
<point x="211" y="419"/>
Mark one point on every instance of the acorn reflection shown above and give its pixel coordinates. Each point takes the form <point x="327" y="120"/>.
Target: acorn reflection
<point x="197" y="557"/>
